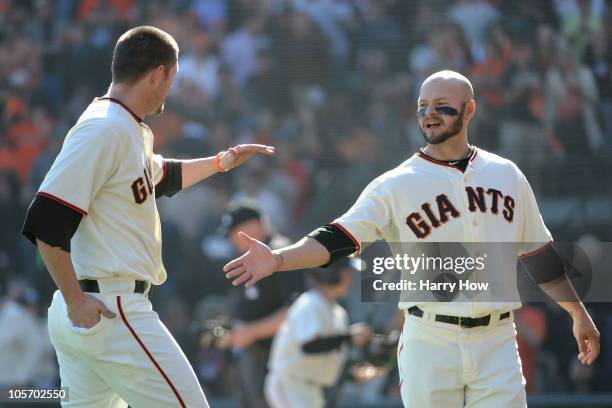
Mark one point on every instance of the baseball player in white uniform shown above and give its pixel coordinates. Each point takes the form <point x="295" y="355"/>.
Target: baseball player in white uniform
<point x="450" y="354"/>
<point x="96" y="225"/>
<point x="311" y="345"/>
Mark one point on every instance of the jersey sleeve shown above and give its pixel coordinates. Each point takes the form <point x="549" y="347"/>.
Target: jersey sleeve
<point x="535" y="236"/>
<point x="159" y="168"/>
<point x="167" y="176"/>
<point x="89" y="157"/>
<point x="367" y="219"/>
<point x="310" y="324"/>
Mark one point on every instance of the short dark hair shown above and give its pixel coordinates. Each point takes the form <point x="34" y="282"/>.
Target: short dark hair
<point x="140" y="50"/>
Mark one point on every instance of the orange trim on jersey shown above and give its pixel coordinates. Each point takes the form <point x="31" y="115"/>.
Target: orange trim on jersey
<point x="62" y="202"/>
<point x="163" y="174"/>
<point x="124" y="106"/>
<point x="357" y="244"/>
<point x="537" y="251"/>
<point x="148" y="353"/>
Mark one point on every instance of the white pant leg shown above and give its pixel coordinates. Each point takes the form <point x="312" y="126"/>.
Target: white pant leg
<point x="85" y="387"/>
<point x="430" y="366"/>
<point x="134" y="354"/>
<point x="497" y="379"/>
<point x="284" y="392"/>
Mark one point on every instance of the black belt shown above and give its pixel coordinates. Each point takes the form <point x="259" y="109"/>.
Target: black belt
<point x="467" y="322"/>
<point x="91" y="285"/>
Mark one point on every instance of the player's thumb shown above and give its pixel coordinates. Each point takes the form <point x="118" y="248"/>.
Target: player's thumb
<point x="106" y="312"/>
<point x="245" y="238"/>
<point x="582" y="346"/>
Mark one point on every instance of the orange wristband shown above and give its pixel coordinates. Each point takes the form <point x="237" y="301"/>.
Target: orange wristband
<point x="218" y="163"/>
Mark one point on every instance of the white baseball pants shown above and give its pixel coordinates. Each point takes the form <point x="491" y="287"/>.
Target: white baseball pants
<point x="131" y="359"/>
<point x="282" y="391"/>
<point x="444" y="365"/>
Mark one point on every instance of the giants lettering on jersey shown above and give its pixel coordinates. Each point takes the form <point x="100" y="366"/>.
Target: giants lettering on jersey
<point x="479" y="199"/>
<point x="139" y="189"/>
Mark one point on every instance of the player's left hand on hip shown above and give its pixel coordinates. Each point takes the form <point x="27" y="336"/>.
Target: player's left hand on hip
<point x="235" y="156"/>
<point x="587" y="337"/>
<point x="257" y="263"/>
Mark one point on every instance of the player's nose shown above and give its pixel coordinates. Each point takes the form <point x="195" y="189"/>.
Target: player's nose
<point x="430" y="111"/>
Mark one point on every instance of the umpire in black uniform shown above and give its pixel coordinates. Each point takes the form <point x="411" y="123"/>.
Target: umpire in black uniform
<point x="259" y="310"/>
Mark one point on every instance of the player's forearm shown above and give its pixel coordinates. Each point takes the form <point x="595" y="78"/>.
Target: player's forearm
<point x="306" y="253"/>
<point x="268" y="326"/>
<point x="59" y="265"/>
<point x="196" y="170"/>
<point x="562" y="292"/>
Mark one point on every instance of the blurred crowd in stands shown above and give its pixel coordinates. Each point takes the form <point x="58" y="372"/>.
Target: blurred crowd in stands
<point x="332" y="84"/>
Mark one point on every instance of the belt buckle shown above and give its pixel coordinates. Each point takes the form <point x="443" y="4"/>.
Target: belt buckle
<point x="464" y="322"/>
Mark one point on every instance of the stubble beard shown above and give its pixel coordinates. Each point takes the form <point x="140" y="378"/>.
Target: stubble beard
<point x="454" y="130"/>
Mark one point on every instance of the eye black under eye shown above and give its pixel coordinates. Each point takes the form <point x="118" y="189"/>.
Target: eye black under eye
<point x="446" y="110"/>
<point x="421" y="112"/>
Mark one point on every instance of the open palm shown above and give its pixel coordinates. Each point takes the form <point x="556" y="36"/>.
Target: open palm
<point x="257" y="263"/>
<point x="235" y="156"/>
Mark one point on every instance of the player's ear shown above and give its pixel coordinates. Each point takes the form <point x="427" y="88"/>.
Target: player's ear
<point x="156" y="76"/>
<point x="470" y="109"/>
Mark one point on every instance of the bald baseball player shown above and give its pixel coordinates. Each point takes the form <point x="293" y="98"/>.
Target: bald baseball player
<point x="450" y="354"/>
<point x="96" y="225"/>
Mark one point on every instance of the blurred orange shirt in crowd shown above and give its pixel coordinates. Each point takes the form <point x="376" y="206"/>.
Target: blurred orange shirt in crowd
<point x="86" y="7"/>
<point x="531" y="324"/>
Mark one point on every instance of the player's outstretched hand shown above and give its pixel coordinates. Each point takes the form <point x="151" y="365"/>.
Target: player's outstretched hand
<point x="84" y="311"/>
<point x="587" y="337"/>
<point x="235" y="156"/>
<point x="257" y="263"/>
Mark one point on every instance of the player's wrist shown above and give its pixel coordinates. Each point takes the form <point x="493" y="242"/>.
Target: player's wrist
<point x="217" y="162"/>
<point x="74" y="298"/>
<point x="576" y="310"/>
<point x="279" y="260"/>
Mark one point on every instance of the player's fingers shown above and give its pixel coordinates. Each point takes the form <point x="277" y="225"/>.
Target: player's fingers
<point x="106" y="311"/>
<point x="233" y="264"/>
<point x="251" y="281"/>
<point x="235" y="272"/>
<point x="251" y="149"/>
<point x="241" y="279"/>
<point x="593" y="349"/>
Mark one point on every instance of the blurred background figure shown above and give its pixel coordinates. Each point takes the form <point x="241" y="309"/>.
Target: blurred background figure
<point x="23" y="339"/>
<point x="258" y="311"/>
<point x="310" y="349"/>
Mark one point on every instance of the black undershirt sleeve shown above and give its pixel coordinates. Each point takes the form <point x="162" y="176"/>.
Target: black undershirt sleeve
<point x="336" y="241"/>
<point x="544" y="266"/>
<point x="324" y="344"/>
<point x="172" y="182"/>
<point x="51" y="222"/>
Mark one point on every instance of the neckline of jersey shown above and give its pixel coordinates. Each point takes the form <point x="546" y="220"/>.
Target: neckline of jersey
<point x="446" y="163"/>
<point x="123" y="105"/>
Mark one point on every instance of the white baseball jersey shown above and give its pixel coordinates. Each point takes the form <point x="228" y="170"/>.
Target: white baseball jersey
<point x="107" y="171"/>
<point x="425" y="200"/>
<point x="310" y="317"/>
